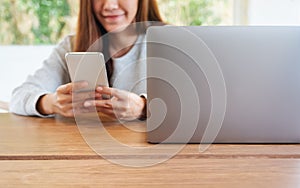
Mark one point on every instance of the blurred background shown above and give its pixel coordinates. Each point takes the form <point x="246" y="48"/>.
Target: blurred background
<point x="48" y="21"/>
<point x="29" y="29"/>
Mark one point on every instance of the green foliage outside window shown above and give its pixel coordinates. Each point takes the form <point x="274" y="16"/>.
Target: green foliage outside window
<point x="47" y="21"/>
<point x="50" y="15"/>
<point x="187" y="12"/>
<point x="32" y="21"/>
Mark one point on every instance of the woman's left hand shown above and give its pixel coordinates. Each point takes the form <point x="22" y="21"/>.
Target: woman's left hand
<point x="123" y="105"/>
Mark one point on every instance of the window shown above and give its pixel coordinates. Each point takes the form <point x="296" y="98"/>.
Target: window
<point x="197" y="12"/>
<point x="36" y="22"/>
<point x="47" y="21"/>
<point x="267" y="12"/>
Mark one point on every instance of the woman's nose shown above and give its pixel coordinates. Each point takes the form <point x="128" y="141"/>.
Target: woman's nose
<point x="111" y="5"/>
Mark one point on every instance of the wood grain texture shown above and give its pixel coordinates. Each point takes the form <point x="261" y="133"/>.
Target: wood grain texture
<point x="52" y="152"/>
<point x="31" y="136"/>
<point x="275" y="173"/>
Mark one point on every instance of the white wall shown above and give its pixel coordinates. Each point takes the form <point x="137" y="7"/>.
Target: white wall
<point x="273" y="12"/>
<point x="16" y="62"/>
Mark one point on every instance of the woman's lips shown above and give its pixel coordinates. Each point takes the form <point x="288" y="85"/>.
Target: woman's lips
<point x="113" y="18"/>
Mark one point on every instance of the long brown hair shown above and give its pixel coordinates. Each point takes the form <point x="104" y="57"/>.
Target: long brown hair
<point x="89" y="29"/>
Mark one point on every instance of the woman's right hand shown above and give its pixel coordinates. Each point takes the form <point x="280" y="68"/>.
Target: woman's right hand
<point x="63" y="101"/>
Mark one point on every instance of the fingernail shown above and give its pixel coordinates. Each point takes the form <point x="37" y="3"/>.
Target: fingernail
<point x="99" y="88"/>
<point x="87" y="104"/>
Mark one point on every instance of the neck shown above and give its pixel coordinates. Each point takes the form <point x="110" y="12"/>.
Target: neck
<point x="122" y="42"/>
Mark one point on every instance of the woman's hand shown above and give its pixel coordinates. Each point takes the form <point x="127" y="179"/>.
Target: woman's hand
<point x="123" y="105"/>
<point x="66" y="100"/>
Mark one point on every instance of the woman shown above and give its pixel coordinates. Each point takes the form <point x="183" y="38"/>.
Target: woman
<point x="49" y="90"/>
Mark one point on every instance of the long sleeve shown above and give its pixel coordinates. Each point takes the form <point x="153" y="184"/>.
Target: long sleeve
<point x="45" y="80"/>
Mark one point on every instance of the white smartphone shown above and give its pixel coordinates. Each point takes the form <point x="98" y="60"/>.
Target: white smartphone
<point x="87" y="66"/>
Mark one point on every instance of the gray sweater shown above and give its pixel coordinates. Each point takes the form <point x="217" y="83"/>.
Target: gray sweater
<point x="129" y="74"/>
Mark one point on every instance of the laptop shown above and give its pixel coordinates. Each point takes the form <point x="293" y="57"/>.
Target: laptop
<point x="223" y="84"/>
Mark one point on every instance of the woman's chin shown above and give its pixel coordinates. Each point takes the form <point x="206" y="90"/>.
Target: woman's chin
<point x="116" y="29"/>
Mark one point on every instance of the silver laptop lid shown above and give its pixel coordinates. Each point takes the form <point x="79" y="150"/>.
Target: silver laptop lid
<point x="223" y="84"/>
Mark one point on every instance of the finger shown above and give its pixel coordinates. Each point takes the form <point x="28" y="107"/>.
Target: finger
<point x="98" y="103"/>
<point x="63" y="108"/>
<point x="76" y="109"/>
<point x="63" y="99"/>
<point x="82" y="110"/>
<point x="69" y="113"/>
<point x="120" y="94"/>
<point x="77" y="97"/>
<point x="82" y="96"/>
<point x="72" y="87"/>
<point x="108" y="112"/>
<point x="114" y="109"/>
<point x="121" y="115"/>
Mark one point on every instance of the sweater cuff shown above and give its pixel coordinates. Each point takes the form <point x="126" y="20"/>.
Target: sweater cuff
<point x="143" y="95"/>
<point x="143" y="116"/>
<point x="32" y="102"/>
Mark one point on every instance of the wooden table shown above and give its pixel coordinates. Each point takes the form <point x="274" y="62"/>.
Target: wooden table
<point x="37" y="152"/>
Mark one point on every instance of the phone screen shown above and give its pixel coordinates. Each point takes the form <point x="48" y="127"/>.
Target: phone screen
<point x="87" y="66"/>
